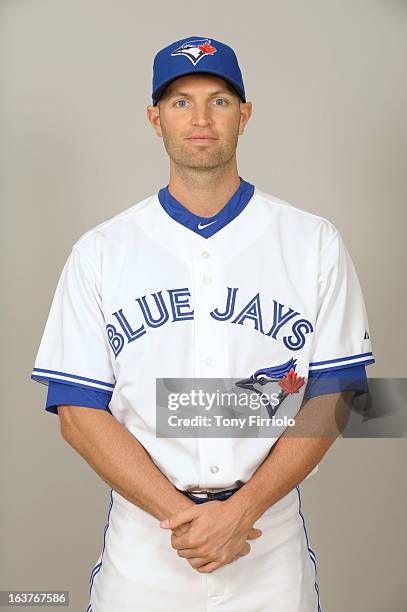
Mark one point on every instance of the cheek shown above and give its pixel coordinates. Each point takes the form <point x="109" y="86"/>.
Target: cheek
<point x="174" y="122"/>
<point x="229" y="123"/>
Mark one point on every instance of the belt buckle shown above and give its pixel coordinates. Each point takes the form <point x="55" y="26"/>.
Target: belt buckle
<point x="210" y="493"/>
<point x="199" y="493"/>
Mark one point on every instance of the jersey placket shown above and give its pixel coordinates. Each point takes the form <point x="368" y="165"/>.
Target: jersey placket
<point x="211" y="360"/>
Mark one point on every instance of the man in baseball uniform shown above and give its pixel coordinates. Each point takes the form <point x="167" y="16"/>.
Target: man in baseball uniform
<point x="210" y="277"/>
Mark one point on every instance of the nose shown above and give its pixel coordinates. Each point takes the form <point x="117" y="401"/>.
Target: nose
<point x="201" y="114"/>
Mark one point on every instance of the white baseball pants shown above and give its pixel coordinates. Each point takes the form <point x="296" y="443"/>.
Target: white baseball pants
<point x="139" y="571"/>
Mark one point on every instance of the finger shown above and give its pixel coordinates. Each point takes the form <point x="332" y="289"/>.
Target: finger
<point x="188" y="553"/>
<point x="254" y="533"/>
<point x="180" y="518"/>
<point x="182" y="529"/>
<point x="209" y="567"/>
<point x="245" y="550"/>
<point x="182" y="541"/>
<point x="196" y="562"/>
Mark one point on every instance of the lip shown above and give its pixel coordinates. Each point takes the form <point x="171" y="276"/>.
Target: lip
<point x="202" y="139"/>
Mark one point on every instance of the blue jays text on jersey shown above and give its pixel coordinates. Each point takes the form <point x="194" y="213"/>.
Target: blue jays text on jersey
<point x="283" y="320"/>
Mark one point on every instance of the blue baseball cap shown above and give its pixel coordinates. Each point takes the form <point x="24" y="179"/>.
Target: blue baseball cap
<point x="193" y="55"/>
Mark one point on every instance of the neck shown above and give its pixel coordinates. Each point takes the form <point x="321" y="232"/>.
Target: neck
<point x="204" y="192"/>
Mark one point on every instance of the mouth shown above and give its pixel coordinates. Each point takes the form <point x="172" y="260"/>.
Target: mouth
<point x="202" y="140"/>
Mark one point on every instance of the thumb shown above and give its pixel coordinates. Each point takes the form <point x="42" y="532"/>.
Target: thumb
<point x="254" y="533"/>
<point x="185" y="516"/>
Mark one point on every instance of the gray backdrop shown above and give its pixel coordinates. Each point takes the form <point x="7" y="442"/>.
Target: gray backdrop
<point x="328" y="133"/>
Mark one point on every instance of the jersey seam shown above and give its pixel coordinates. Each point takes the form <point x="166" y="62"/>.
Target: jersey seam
<point x="89" y="261"/>
<point x="121" y="216"/>
<point x="283" y="203"/>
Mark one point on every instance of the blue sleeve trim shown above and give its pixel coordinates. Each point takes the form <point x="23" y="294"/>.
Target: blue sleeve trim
<point x="352" y="378"/>
<point x="65" y="394"/>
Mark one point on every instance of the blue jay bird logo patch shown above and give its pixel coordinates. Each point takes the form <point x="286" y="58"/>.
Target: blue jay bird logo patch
<point x="195" y="49"/>
<point x="284" y="375"/>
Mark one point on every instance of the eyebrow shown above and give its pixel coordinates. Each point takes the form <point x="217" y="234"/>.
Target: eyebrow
<point x="186" y="94"/>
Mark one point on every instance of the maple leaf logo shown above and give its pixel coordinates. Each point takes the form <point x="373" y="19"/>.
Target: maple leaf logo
<point x="207" y="48"/>
<point x="292" y="383"/>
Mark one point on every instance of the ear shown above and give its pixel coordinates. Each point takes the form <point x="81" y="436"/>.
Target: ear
<point x="153" y="115"/>
<point x="246" y="109"/>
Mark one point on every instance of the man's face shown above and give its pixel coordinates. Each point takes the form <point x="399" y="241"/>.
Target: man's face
<point x="200" y="118"/>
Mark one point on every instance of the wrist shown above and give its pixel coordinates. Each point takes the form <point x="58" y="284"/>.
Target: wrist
<point x="242" y="506"/>
<point x="173" y="506"/>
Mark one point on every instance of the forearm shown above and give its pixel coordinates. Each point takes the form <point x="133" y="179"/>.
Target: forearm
<point x="293" y="457"/>
<point x="120" y="460"/>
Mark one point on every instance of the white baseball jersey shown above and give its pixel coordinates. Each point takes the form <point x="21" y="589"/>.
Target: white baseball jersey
<point x="143" y="296"/>
<point x="157" y="291"/>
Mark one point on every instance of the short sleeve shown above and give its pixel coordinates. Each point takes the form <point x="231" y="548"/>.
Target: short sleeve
<point x="342" y="336"/>
<point x="351" y="378"/>
<point x="65" y="394"/>
<point x="74" y="347"/>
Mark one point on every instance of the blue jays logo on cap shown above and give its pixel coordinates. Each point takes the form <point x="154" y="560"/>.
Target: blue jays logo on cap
<point x="206" y="55"/>
<point x="195" y="49"/>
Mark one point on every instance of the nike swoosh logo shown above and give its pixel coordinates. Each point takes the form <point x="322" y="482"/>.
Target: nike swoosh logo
<point x="206" y="224"/>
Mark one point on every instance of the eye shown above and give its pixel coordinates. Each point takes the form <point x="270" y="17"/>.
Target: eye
<point x="178" y="102"/>
<point x="223" y="100"/>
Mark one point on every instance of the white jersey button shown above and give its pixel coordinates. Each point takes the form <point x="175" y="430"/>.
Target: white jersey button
<point x="209" y="361"/>
<point x="205" y="254"/>
<point x="214" y="469"/>
<point x="207" y="279"/>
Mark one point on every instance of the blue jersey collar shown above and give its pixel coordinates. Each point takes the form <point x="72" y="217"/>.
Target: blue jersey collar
<point x="207" y="226"/>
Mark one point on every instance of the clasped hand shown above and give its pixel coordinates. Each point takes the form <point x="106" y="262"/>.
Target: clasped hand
<point x="211" y="534"/>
